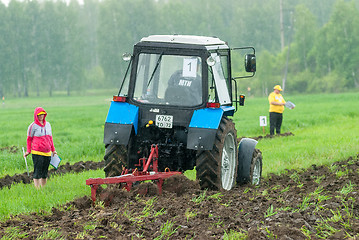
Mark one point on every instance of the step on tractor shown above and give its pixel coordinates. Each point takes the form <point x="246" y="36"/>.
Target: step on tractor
<point x="173" y="113"/>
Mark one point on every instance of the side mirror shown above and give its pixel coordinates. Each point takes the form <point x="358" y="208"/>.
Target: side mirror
<point x="250" y="62"/>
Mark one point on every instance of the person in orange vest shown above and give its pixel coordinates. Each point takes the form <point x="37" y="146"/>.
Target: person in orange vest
<point x="276" y="108"/>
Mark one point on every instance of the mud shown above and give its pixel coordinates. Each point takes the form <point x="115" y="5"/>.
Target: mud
<point x="287" y="134"/>
<point x="317" y="203"/>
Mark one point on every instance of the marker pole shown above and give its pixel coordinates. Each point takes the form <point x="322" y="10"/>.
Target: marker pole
<point x="27" y="169"/>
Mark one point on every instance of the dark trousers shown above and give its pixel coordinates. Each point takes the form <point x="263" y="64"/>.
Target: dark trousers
<point x="41" y="166"/>
<point x="275" y="120"/>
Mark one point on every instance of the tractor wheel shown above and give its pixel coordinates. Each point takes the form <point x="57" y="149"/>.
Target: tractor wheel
<point x="256" y="168"/>
<point x="217" y="168"/>
<point x="115" y="158"/>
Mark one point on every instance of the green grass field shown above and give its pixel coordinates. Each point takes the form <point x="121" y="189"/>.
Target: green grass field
<point x="77" y="124"/>
<point x="325" y="128"/>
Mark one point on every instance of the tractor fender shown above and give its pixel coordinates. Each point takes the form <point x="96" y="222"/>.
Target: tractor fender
<point x="204" y="125"/>
<point x="203" y="128"/>
<point x="245" y="153"/>
<point x="121" y="118"/>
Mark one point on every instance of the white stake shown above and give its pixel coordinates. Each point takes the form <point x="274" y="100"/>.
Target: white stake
<point x="27" y="169"/>
<point x="263" y="122"/>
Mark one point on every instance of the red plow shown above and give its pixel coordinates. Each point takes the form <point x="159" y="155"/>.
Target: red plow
<point x="128" y="177"/>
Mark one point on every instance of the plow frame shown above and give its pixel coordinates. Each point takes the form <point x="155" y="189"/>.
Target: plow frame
<point x="135" y="176"/>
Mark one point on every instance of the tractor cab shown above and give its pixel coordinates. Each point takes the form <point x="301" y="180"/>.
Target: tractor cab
<point x="188" y="72"/>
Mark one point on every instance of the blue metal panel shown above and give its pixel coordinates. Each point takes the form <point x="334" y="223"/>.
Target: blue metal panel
<point x="123" y="113"/>
<point x="206" y="118"/>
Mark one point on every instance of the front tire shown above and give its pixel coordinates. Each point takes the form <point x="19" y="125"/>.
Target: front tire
<point x="217" y="168"/>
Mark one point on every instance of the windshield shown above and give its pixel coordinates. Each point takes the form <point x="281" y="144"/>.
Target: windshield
<point x="168" y="80"/>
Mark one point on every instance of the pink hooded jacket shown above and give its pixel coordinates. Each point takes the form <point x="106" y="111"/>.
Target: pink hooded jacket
<point x="39" y="137"/>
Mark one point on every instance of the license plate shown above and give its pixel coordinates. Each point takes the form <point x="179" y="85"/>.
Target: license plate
<point x="164" y="121"/>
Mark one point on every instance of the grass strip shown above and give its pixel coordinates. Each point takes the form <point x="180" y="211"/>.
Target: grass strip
<point x="24" y="198"/>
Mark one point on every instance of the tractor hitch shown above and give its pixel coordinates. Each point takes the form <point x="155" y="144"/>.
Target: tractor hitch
<point x="129" y="177"/>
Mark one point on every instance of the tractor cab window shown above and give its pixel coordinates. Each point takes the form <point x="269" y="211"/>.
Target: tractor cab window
<point x="125" y="82"/>
<point x="168" y="80"/>
<point x="211" y="87"/>
<point x="219" y="74"/>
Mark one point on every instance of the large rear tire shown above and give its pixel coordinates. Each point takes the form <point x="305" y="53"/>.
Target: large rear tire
<point x="217" y="168"/>
<point x="115" y="159"/>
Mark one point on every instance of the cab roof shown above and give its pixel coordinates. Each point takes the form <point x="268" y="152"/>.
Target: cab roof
<point x="184" y="39"/>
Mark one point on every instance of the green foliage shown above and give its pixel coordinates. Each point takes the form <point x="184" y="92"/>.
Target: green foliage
<point x="332" y="82"/>
<point x="268" y="76"/>
<point x="13" y="233"/>
<point x="95" y="77"/>
<point x="299" y="83"/>
<point x="52" y="234"/>
<point x="235" y="235"/>
<point x="49" y="46"/>
<point x="319" y="60"/>
<point x="190" y="214"/>
<point x="216" y="196"/>
<point x="269" y="234"/>
<point x="348" y="188"/>
<point x="200" y="198"/>
<point x="270" y="212"/>
<point x="167" y="230"/>
<point x="305" y="30"/>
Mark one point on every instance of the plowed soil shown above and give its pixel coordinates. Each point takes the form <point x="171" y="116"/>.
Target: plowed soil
<point x="317" y="203"/>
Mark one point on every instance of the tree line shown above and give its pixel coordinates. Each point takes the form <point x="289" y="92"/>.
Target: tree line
<point x="46" y="46"/>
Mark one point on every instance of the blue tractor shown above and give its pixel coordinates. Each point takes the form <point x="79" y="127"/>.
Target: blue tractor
<point x="178" y="93"/>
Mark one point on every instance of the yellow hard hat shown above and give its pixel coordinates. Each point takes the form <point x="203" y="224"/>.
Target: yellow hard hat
<point x="278" y="87"/>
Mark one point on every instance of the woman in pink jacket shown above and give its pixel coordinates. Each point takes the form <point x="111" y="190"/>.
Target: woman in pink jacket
<point x="40" y="145"/>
